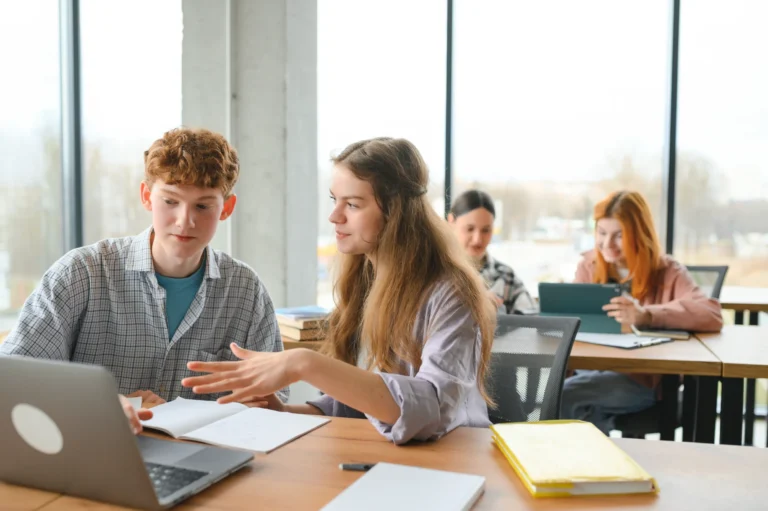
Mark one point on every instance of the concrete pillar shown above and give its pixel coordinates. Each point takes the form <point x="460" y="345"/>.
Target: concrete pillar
<point x="249" y="71"/>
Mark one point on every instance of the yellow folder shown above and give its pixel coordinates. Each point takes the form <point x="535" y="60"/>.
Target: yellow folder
<point x="563" y="458"/>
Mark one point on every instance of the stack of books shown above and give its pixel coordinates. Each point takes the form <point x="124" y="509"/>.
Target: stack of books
<point x="562" y="458"/>
<point x="302" y="323"/>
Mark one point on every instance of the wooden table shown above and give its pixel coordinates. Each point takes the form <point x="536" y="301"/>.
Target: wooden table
<point x="689" y="357"/>
<point x="743" y="350"/>
<point x="677" y="357"/>
<point x="748" y="302"/>
<point x="744" y="353"/>
<point x="744" y="298"/>
<point x="304" y="475"/>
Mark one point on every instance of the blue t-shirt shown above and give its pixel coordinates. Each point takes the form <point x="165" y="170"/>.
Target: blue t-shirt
<point x="179" y="295"/>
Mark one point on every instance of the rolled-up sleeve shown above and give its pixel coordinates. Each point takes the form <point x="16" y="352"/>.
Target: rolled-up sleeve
<point x="436" y="399"/>
<point x="324" y="404"/>
<point x="332" y="408"/>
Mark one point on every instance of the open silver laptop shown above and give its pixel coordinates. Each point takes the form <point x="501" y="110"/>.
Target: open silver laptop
<point x="62" y="429"/>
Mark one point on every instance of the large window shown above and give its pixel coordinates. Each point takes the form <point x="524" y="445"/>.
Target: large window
<point x="381" y="72"/>
<point x="722" y="161"/>
<point x="131" y="88"/>
<point x="30" y="169"/>
<point x="557" y="104"/>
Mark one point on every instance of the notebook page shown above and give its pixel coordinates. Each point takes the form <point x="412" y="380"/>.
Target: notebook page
<point x="257" y="429"/>
<point x="181" y="416"/>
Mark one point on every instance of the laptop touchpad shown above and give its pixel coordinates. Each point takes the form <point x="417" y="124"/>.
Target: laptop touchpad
<point x="165" y="451"/>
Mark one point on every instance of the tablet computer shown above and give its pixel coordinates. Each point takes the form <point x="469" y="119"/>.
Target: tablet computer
<point x="584" y="301"/>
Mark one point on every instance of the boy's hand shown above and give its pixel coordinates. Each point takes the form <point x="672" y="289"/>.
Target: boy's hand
<point x="134" y="416"/>
<point x="148" y="398"/>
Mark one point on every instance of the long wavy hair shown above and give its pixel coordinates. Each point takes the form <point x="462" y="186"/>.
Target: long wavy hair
<point x="377" y="307"/>
<point x="640" y="242"/>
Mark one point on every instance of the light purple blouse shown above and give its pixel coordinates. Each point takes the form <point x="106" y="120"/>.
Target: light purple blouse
<point x="442" y="394"/>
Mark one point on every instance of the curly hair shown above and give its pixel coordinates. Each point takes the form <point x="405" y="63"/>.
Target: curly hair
<point x="187" y="156"/>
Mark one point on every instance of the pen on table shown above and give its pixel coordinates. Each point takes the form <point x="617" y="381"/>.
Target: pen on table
<point x="358" y="467"/>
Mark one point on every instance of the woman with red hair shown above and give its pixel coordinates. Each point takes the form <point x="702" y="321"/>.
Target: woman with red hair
<point x="663" y="295"/>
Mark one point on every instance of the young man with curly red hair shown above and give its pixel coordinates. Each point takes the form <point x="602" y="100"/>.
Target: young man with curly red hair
<point x="144" y="306"/>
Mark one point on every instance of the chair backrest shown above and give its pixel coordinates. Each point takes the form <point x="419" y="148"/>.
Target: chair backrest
<point x="709" y="278"/>
<point x="528" y="364"/>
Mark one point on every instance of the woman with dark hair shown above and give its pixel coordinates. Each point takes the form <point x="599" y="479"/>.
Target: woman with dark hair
<point x="472" y="216"/>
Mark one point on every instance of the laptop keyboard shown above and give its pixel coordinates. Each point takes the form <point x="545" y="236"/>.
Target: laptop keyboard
<point x="168" y="480"/>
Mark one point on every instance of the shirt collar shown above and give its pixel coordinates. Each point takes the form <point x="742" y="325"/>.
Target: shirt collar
<point x="488" y="261"/>
<point x="140" y="256"/>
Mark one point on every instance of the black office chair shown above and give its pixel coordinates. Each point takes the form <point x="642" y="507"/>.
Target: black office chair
<point x="636" y="425"/>
<point x="528" y="364"/>
<point x="709" y="278"/>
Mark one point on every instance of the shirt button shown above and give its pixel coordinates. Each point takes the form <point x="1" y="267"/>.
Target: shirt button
<point x="162" y="389"/>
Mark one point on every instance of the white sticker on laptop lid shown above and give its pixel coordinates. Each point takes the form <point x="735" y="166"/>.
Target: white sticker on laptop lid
<point x="36" y="428"/>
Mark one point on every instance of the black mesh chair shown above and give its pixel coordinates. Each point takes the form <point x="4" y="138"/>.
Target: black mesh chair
<point x="651" y="420"/>
<point x="530" y="355"/>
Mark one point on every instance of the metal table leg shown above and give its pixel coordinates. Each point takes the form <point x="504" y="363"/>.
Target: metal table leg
<point x="731" y="409"/>
<point x="706" y="410"/>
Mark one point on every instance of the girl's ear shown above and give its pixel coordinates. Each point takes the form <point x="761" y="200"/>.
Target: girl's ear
<point x="451" y="218"/>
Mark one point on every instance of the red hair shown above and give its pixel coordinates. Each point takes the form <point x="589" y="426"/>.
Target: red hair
<point x="640" y="243"/>
<point x="187" y="156"/>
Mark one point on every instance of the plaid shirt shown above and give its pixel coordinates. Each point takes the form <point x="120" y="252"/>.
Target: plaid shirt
<point x="101" y="304"/>
<point x="503" y="281"/>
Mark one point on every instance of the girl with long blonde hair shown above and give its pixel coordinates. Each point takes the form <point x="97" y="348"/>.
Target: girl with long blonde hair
<point x="409" y="342"/>
<point x="663" y="295"/>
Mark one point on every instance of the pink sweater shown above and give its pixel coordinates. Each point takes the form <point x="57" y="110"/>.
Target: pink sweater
<point x="677" y="304"/>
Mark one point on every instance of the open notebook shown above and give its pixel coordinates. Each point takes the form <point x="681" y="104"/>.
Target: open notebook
<point x="230" y="425"/>
<point x="562" y="458"/>
<point x="390" y="487"/>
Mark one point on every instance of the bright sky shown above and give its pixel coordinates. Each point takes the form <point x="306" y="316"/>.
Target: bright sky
<point x="543" y="90"/>
<point x="548" y="90"/>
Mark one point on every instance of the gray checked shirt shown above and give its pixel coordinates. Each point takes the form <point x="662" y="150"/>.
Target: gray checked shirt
<point x="101" y="304"/>
<point x="502" y="280"/>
